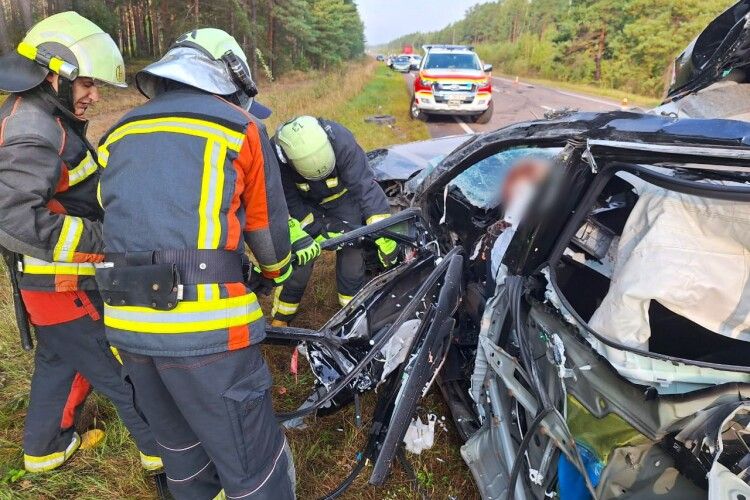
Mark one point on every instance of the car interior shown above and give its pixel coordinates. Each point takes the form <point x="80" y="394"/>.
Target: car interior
<point x="584" y="274"/>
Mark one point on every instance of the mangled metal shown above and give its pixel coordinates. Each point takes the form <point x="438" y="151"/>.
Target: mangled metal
<point x="547" y="403"/>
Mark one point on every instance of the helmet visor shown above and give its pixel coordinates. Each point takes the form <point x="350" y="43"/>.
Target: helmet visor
<point x="99" y="58"/>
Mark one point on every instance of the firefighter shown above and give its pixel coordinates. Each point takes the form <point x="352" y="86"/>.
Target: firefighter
<point x="330" y="189"/>
<point x="188" y="179"/>
<point x="50" y="216"/>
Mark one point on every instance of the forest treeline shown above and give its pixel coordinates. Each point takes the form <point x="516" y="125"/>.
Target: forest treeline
<point x="277" y="35"/>
<point x="623" y="44"/>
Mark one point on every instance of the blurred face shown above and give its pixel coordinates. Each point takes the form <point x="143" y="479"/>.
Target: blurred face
<point x="85" y="92"/>
<point x="525" y="174"/>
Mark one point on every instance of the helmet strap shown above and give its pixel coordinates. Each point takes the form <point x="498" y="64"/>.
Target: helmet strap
<point x="62" y="98"/>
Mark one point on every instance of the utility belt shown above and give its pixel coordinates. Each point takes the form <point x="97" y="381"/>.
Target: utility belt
<point x="156" y="279"/>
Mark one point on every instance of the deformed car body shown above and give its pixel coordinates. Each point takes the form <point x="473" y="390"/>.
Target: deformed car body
<point x="548" y="404"/>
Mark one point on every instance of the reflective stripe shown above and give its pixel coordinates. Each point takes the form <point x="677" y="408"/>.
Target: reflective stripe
<point x="32" y="265"/>
<point x="176" y="125"/>
<point x="115" y="353"/>
<point x="53" y="460"/>
<point x="334" y="196"/>
<point x="275" y="267"/>
<point x="151" y="463"/>
<point x="208" y="291"/>
<point x="212" y="187"/>
<point x="279" y="306"/>
<point x="303" y="186"/>
<point x="309" y="219"/>
<point x="67" y="242"/>
<point x="187" y="317"/>
<point x="344" y="299"/>
<point x="83" y="171"/>
<point x="332" y="182"/>
<point x="376" y="218"/>
<point x="281" y="279"/>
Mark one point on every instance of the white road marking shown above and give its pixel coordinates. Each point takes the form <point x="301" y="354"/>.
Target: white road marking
<point x="463" y="125"/>
<point x="568" y="94"/>
<point x="586" y="98"/>
<point x="513" y="82"/>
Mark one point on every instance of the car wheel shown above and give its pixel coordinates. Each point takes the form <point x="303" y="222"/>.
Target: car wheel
<point x="487" y="115"/>
<point x="415" y="113"/>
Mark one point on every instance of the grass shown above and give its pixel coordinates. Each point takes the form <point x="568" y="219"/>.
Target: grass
<point x="595" y="90"/>
<point x="325" y="451"/>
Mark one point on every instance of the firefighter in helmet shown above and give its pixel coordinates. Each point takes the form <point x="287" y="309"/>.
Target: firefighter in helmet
<point x="330" y="189"/>
<point x="50" y="218"/>
<point x="190" y="177"/>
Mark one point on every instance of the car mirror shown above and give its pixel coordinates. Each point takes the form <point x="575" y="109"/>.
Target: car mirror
<point x="487" y="68"/>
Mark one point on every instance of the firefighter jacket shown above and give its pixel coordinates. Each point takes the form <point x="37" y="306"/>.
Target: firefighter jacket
<point x="48" y="207"/>
<point x="351" y="180"/>
<point x="190" y="171"/>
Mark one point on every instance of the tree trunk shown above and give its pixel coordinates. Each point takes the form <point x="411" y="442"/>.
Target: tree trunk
<point x="139" y="29"/>
<point x="253" y="35"/>
<point x="5" y="45"/>
<point x="270" y="37"/>
<point x="601" y="44"/>
<point x="24" y="8"/>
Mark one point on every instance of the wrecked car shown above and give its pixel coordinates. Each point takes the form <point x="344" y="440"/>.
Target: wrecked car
<point x="606" y="361"/>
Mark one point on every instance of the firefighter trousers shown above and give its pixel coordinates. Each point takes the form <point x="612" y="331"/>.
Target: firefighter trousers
<point x="70" y="356"/>
<point x="214" y="424"/>
<point x="350" y="268"/>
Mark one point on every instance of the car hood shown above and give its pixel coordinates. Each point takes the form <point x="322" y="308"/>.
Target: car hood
<point x="401" y="162"/>
<point x="453" y="74"/>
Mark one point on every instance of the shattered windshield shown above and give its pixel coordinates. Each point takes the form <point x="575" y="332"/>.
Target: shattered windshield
<point x="480" y="183"/>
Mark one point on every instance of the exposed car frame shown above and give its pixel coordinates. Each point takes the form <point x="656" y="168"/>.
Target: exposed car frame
<point x="525" y="351"/>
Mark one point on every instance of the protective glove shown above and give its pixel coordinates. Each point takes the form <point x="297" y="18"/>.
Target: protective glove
<point x="387" y="252"/>
<point x="332" y="228"/>
<point x="303" y="246"/>
<point x="327" y="235"/>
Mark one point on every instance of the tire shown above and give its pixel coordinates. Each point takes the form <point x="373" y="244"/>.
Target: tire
<point x="486" y="116"/>
<point x="415" y="113"/>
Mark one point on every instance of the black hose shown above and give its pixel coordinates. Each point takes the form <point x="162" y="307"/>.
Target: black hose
<point x="518" y="461"/>
<point x="346" y="483"/>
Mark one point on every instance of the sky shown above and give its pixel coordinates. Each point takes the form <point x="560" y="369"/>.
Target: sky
<point x="388" y="19"/>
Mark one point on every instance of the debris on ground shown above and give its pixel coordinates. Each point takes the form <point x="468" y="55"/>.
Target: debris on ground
<point x="420" y="436"/>
<point x="381" y="120"/>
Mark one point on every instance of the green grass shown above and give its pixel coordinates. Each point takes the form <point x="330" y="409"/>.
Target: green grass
<point x="326" y="450"/>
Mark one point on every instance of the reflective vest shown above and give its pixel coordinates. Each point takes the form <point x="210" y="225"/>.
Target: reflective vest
<point x="48" y="206"/>
<point x="188" y="170"/>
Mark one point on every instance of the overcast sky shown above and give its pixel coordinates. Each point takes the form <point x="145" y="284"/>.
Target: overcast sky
<point x="389" y="19"/>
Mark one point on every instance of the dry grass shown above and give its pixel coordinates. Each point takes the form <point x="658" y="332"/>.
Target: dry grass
<point x="326" y="450"/>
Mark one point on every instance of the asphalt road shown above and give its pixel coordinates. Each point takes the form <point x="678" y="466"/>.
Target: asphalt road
<point x="516" y="102"/>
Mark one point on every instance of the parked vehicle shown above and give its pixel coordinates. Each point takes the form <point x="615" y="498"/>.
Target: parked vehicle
<point x="380" y="57"/>
<point x="402" y="63"/>
<point x="452" y="81"/>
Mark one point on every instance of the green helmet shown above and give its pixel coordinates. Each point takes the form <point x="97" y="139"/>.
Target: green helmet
<point x="306" y="145"/>
<point x="208" y="59"/>
<point x="67" y="44"/>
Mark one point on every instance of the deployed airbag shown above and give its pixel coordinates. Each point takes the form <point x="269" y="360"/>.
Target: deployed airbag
<point x="690" y="254"/>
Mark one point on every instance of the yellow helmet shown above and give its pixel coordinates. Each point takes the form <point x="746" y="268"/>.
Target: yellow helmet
<point x="307" y="147"/>
<point x="67" y="44"/>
